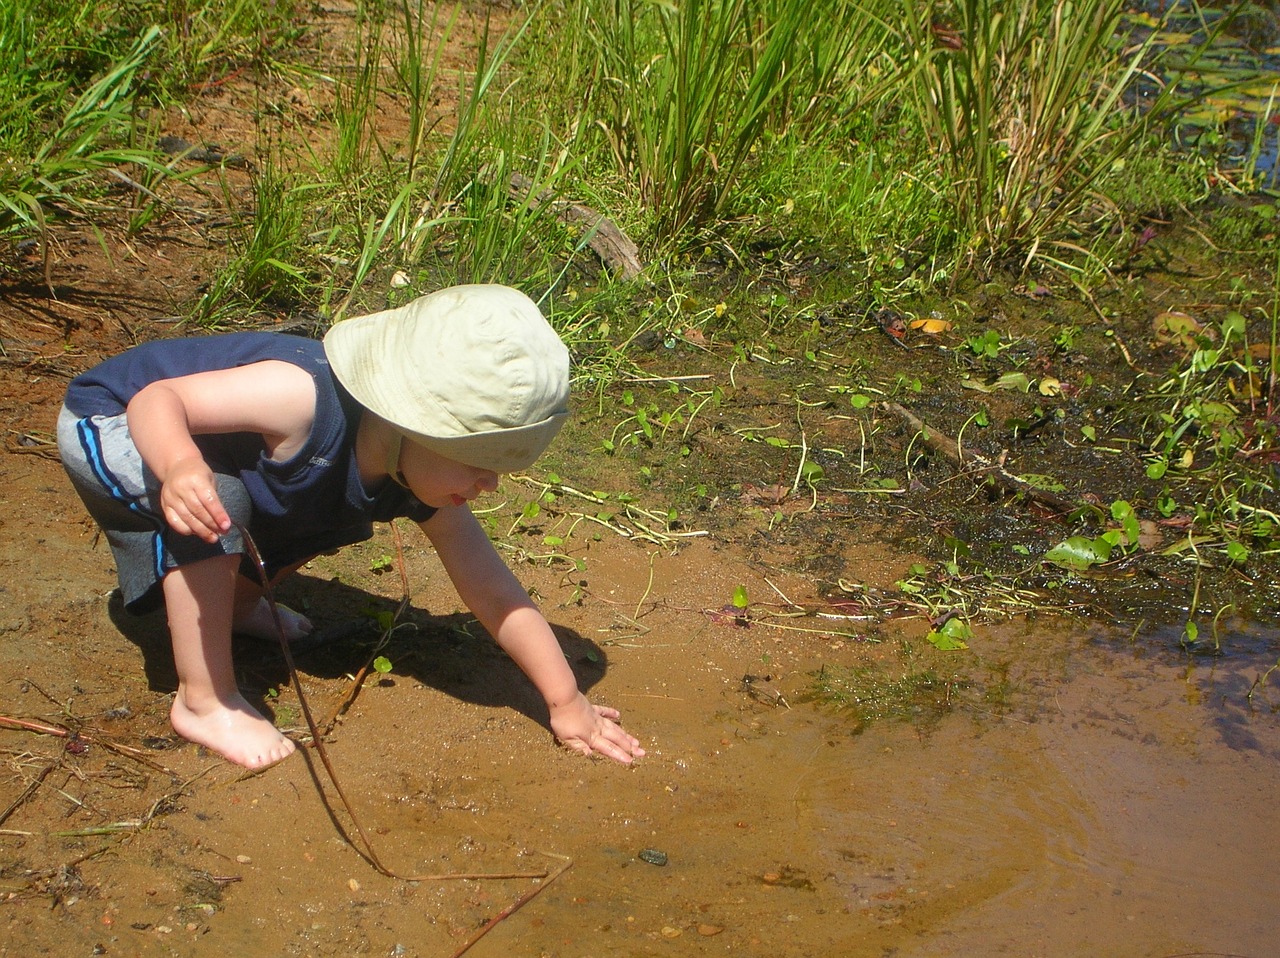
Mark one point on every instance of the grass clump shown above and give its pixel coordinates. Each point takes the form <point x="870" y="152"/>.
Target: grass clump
<point x="48" y="174"/>
<point x="1024" y="104"/>
<point x="872" y="693"/>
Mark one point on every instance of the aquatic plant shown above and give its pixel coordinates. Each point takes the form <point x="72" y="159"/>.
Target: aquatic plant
<point x="686" y="91"/>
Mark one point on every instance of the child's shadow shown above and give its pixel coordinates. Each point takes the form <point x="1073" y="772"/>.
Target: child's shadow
<point x="452" y="653"/>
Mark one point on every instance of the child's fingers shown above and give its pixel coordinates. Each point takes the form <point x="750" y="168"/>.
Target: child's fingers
<point x="192" y="512"/>
<point x="211" y="512"/>
<point x="593" y="730"/>
<point x="182" y="521"/>
<point x="614" y="741"/>
<point x="190" y="502"/>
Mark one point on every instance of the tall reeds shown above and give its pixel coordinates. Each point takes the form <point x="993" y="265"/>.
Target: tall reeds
<point x="687" y="88"/>
<point x="1024" y="105"/>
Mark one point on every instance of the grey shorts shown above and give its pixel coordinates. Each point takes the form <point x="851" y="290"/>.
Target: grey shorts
<point x="123" y="496"/>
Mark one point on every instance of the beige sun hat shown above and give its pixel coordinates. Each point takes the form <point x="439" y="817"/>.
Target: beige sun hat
<point x="475" y="373"/>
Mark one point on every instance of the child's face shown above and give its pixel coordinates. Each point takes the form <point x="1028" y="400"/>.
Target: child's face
<point x="438" y="481"/>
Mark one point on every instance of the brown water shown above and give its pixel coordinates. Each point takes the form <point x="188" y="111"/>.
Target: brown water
<point x="1134" y="813"/>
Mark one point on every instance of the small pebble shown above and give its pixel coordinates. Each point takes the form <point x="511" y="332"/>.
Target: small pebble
<point x="653" y="856"/>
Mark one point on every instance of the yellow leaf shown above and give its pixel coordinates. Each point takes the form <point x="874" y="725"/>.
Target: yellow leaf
<point x="1263" y="353"/>
<point x="931" y="326"/>
<point x="1050" y="386"/>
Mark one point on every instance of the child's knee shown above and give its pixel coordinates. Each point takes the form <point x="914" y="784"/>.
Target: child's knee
<point x="235" y="498"/>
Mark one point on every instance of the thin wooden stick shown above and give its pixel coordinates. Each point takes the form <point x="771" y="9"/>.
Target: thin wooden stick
<point x="28" y="726"/>
<point x="515" y="906"/>
<point x="27" y="792"/>
<point x="941" y="443"/>
<point x="126" y="750"/>
<point x="368" y="852"/>
<point x="357" y="683"/>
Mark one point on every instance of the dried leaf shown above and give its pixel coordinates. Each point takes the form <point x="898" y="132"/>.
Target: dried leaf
<point x="931" y="326"/>
<point x="1177" y="328"/>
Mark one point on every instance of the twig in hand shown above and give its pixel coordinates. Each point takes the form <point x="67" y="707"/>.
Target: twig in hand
<point x="357" y="683"/>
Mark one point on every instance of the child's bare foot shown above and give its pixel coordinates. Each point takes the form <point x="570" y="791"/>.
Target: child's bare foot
<point x="260" y="624"/>
<point x="234" y="729"/>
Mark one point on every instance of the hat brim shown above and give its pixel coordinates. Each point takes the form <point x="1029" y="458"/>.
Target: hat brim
<point x="500" y="450"/>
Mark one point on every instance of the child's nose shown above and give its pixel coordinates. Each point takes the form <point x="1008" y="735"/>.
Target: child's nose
<point x="486" y="481"/>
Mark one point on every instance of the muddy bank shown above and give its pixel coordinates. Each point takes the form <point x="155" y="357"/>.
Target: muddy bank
<point x="745" y="545"/>
<point x="822" y="779"/>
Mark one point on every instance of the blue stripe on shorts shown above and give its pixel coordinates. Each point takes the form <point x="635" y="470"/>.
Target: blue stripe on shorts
<point x="91" y="443"/>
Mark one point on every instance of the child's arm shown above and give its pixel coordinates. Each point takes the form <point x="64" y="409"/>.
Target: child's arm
<point x="272" y="398"/>
<point x="503" y="607"/>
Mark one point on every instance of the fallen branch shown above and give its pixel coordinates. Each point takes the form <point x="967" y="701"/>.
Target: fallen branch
<point x="973" y="463"/>
<point x="614" y="247"/>
<point x="127" y="751"/>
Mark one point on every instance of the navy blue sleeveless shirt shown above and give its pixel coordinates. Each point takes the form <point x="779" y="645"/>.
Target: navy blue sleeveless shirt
<point x="312" y="502"/>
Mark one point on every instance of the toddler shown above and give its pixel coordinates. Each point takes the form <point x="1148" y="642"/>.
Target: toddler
<point x="412" y="412"/>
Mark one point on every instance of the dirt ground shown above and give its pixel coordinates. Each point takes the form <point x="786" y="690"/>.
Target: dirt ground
<point x="117" y="838"/>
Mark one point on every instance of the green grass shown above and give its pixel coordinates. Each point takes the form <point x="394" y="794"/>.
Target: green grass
<point x="1025" y="107"/>
<point x="917" y="150"/>
<point x="48" y="174"/>
<point x="76" y="80"/>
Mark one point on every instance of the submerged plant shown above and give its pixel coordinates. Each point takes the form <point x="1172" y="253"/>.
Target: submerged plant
<point x="870" y="693"/>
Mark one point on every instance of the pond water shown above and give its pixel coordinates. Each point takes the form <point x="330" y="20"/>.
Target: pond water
<point x="1126" y="806"/>
<point x="1123" y="819"/>
<point x="1237" y="76"/>
<point x="1090" y="793"/>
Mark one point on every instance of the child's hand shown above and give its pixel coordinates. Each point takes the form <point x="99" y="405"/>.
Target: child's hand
<point x="190" y="501"/>
<point x="593" y="730"/>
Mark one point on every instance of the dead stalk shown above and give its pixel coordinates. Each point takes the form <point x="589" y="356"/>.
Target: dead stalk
<point x="127" y="751"/>
<point x="27" y="792"/>
<point x="515" y="906"/>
